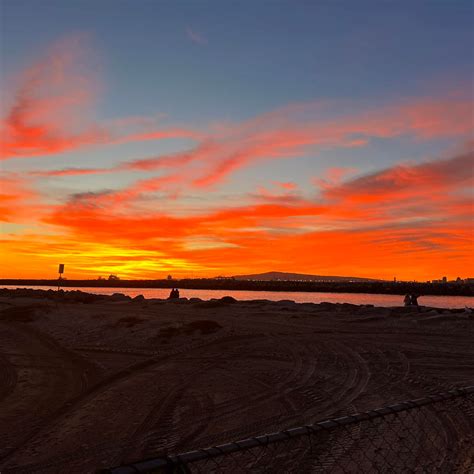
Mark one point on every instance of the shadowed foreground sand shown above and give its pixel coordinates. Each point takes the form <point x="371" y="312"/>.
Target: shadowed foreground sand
<point x="88" y="381"/>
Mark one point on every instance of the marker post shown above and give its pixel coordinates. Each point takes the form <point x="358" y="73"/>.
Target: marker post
<point x="60" y="271"/>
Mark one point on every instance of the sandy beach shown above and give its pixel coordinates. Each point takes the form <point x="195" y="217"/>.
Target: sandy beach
<point x="90" y="381"/>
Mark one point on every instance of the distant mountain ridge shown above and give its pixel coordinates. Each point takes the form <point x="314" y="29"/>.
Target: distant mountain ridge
<point x="284" y="276"/>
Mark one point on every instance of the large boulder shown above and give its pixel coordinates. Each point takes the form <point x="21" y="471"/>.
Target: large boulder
<point x="228" y="300"/>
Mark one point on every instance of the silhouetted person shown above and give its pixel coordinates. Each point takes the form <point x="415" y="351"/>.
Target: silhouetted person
<point x="407" y="300"/>
<point x="414" y="300"/>
<point x="173" y="294"/>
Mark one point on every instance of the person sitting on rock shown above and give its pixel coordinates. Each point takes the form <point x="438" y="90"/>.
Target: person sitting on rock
<point x="407" y="300"/>
<point x="173" y="294"/>
<point x="414" y="300"/>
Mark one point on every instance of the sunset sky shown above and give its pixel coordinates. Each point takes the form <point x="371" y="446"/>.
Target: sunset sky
<point x="204" y="138"/>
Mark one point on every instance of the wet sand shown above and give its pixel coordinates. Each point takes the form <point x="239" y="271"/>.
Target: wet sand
<point x="93" y="381"/>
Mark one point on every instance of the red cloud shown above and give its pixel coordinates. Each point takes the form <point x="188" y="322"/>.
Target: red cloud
<point x="71" y="172"/>
<point x="440" y="118"/>
<point x="284" y="134"/>
<point x="289" y="186"/>
<point x="333" y="176"/>
<point x="51" y="108"/>
<point x="175" y="160"/>
<point x="408" y="181"/>
<point x="52" y="97"/>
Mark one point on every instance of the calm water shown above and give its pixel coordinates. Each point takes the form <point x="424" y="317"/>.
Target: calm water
<point x="299" y="297"/>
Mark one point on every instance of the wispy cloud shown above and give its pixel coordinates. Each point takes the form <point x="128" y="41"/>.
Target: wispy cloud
<point x="196" y="37"/>
<point x="333" y="176"/>
<point x="52" y="108"/>
<point x="292" y="132"/>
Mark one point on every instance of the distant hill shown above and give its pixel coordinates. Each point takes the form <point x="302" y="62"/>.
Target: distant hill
<point x="283" y="276"/>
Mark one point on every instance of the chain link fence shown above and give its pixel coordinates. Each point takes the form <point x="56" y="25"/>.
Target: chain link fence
<point x="428" y="435"/>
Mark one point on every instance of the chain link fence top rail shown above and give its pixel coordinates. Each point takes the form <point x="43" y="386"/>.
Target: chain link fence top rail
<point x="428" y="435"/>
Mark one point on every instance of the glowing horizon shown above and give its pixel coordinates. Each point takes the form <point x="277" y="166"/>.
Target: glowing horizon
<point x="304" y="180"/>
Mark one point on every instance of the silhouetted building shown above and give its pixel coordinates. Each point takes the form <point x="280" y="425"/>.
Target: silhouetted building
<point x="169" y="277"/>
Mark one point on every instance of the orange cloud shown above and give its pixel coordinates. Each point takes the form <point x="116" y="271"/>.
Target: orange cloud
<point x="373" y="225"/>
<point x="19" y="202"/>
<point x="375" y="253"/>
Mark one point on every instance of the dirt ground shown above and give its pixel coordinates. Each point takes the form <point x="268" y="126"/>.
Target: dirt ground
<point x="91" y="383"/>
